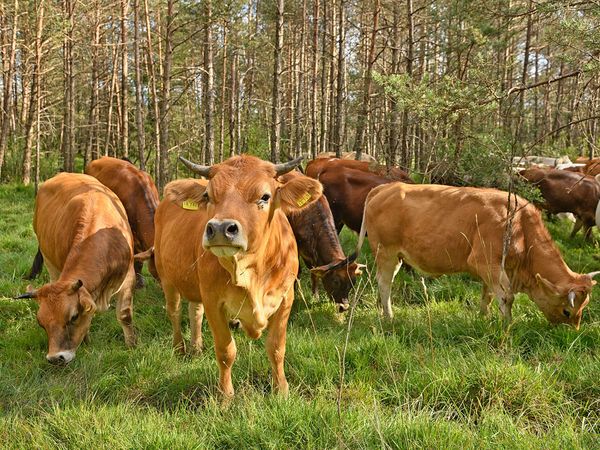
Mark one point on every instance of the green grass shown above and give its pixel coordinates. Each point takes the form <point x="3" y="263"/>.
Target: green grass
<point x="439" y="376"/>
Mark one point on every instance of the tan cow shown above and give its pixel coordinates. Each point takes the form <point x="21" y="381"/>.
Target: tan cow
<point x="136" y="190"/>
<point x="227" y="247"/>
<point x="87" y="246"/>
<point x="443" y="229"/>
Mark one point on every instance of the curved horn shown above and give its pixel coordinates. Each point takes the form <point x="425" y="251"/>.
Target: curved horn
<point x="285" y="167"/>
<point x="337" y="264"/>
<point x="571" y="298"/>
<point x="593" y="274"/>
<point x="197" y="168"/>
<point x="32" y="294"/>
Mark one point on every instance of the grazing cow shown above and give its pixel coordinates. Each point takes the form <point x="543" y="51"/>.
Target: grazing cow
<point x="230" y="251"/>
<point x="139" y="196"/>
<point x="565" y="191"/>
<point x="346" y="190"/>
<point x="320" y="248"/>
<point x="87" y="245"/>
<point x="442" y="229"/>
<point x="317" y="166"/>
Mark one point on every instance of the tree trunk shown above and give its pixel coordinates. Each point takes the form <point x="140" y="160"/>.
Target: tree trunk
<point x="223" y="97"/>
<point x="209" y="94"/>
<point x="165" y="98"/>
<point x="340" y="104"/>
<point x="139" y="107"/>
<point x="314" y="134"/>
<point x="124" y="79"/>
<point x="276" y="98"/>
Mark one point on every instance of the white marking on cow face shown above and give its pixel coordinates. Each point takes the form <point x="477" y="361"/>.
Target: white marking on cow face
<point x="61" y="358"/>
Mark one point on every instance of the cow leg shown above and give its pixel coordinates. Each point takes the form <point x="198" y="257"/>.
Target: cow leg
<point x="196" y="314"/>
<point x="587" y="231"/>
<point x="314" y="281"/>
<point x="124" y="308"/>
<point x="224" y="348"/>
<point x="387" y="268"/>
<point x="486" y="299"/>
<point x="139" y="278"/>
<point x="576" y="227"/>
<point x="275" y="344"/>
<point x="173" y="299"/>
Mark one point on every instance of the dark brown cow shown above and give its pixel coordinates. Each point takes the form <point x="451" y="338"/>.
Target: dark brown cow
<point x="592" y="167"/>
<point x="565" y="191"/>
<point x="87" y="245"/>
<point x="139" y="196"/>
<point x="346" y="190"/>
<point x="320" y="248"/>
<point x="228" y="248"/>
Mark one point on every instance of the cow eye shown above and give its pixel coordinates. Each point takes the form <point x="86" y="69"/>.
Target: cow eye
<point x="566" y="313"/>
<point x="74" y="318"/>
<point x="265" y="198"/>
<point x="205" y="196"/>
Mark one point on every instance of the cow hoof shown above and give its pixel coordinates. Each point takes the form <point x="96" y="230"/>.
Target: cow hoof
<point x="131" y="342"/>
<point x="179" y="348"/>
<point x="343" y="307"/>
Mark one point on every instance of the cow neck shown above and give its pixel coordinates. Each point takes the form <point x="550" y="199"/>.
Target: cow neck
<point x="325" y="241"/>
<point x="95" y="257"/>
<point x="145" y="220"/>
<point x="543" y="257"/>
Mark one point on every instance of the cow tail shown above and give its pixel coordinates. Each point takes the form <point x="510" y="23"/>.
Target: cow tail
<point x="36" y="267"/>
<point x="363" y="227"/>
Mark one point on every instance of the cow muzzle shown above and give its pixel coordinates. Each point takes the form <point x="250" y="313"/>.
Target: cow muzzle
<point x="61" y="358"/>
<point x="224" y="237"/>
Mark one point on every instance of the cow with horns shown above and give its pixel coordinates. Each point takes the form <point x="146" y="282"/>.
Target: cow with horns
<point x="228" y="248"/>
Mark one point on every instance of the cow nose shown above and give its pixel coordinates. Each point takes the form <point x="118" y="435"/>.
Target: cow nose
<point x="60" y="358"/>
<point x="218" y="230"/>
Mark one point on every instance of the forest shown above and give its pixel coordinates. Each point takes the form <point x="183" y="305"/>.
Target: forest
<point x="448" y="90"/>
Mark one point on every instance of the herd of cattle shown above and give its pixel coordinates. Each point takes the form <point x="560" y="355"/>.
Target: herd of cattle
<point x="229" y="244"/>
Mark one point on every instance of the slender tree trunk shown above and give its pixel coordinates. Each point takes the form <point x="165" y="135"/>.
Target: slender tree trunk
<point x="209" y="100"/>
<point x="314" y="135"/>
<point x="233" y="96"/>
<point x="223" y="97"/>
<point x="276" y="98"/>
<point x="340" y="107"/>
<point x="300" y="87"/>
<point x="8" y="80"/>
<point x="165" y="98"/>
<point x="152" y="76"/>
<point x="409" y="73"/>
<point x="139" y="107"/>
<point x="394" y="107"/>
<point x="124" y="79"/>
<point x="91" y="151"/>
<point x="368" y="77"/>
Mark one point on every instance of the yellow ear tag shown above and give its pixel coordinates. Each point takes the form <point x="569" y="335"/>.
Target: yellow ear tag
<point x="190" y="204"/>
<point x="303" y="200"/>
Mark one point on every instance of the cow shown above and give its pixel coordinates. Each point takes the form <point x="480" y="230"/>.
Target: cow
<point x="320" y="248"/>
<point x="317" y="166"/>
<point x="228" y="248"/>
<point x="345" y="189"/>
<point x="139" y="196"/>
<point x="566" y="191"/>
<point x="87" y="245"/>
<point x="443" y="229"/>
<point x="347" y="156"/>
<point x="592" y="167"/>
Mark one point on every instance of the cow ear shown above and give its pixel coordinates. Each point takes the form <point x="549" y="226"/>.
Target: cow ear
<point x="546" y="285"/>
<point x="86" y="301"/>
<point x="187" y="194"/>
<point x="297" y="193"/>
<point x="76" y="286"/>
<point x="319" y="272"/>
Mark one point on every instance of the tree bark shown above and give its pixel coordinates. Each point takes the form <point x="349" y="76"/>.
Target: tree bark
<point x="124" y="79"/>
<point x="139" y="107"/>
<point x="209" y="94"/>
<point x="276" y="97"/>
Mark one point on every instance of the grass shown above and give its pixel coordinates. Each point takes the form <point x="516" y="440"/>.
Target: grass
<point x="439" y="376"/>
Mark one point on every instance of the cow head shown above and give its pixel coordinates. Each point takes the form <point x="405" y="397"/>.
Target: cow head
<point x="564" y="304"/>
<point x="339" y="278"/>
<point x="241" y="198"/>
<point x="65" y="312"/>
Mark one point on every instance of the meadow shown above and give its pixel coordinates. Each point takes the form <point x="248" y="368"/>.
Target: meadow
<point x="438" y="376"/>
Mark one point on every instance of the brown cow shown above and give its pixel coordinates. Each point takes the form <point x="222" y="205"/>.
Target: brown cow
<point x="346" y="190"/>
<point x="442" y="229"/>
<point x="592" y="167"/>
<point x="320" y="248"/>
<point x="139" y="196"/>
<point x="230" y="251"/>
<point x="87" y="244"/>
<point x="317" y="166"/>
<point x="565" y="191"/>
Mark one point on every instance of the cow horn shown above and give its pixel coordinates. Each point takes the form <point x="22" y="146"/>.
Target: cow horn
<point x="32" y="294"/>
<point x="571" y="298"/>
<point x="197" y="168"/>
<point x="337" y="264"/>
<point x="593" y="274"/>
<point x="285" y="167"/>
